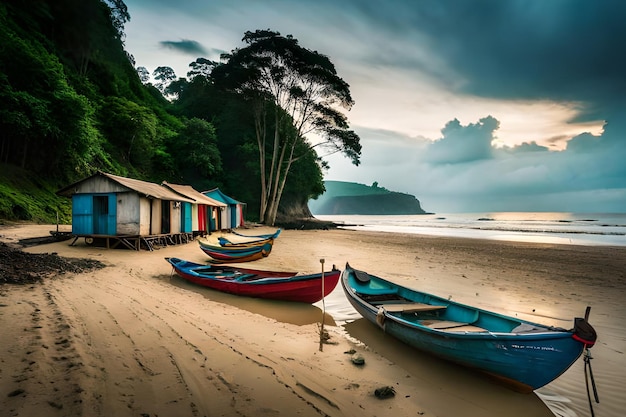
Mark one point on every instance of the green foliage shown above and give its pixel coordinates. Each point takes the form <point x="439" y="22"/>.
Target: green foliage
<point x="71" y="102"/>
<point x="353" y="198"/>
<point x="292" y="91"/>
<point x="341" y="188"/>
<point x="195" y="150"/>
<point x="131" y="130"/>
<point x="26" y="197"/>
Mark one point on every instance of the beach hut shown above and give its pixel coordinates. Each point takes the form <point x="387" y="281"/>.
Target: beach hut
<point x="232" y="217"/>
<point x="125" y="210"/>
<point x="204" y="213"/>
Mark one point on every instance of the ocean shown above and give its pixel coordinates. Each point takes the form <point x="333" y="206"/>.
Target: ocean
<point x="542" y="227"/>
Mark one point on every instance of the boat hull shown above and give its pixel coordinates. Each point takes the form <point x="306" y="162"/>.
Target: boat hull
<point x="238" y="240"/>
<point x="285" y="286"/>
<point x="222" y="254"/>
<point x="525" y="360"/>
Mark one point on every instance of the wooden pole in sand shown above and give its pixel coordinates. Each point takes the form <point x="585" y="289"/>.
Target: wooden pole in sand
<point x="323" y="309"/>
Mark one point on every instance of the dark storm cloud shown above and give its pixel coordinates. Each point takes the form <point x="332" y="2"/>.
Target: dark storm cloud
<point x="561" y="49"/>
<point x="185" y="46"/>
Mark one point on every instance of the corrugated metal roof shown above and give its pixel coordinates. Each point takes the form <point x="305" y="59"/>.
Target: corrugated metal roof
<point x="150" y="189"/>
<point x="189" y="191"/>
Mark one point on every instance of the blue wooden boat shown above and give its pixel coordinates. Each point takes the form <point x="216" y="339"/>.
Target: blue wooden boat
<point x="225" y="254"/>
<point x="523" y="354"/>
<point x="235" y="239"/>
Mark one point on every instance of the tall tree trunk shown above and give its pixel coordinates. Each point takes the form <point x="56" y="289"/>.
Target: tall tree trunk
<point x="274" y="174"/>
<point x="280" y="187"/>
<point x="260" y="128"/>
<point x="270" y="217"/>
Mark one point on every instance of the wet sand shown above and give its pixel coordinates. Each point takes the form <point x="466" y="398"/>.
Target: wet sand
<point x="132" y="339"/>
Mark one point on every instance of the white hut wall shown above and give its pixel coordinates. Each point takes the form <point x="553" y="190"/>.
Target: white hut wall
<point x="195" y="225"/>
<point x="225" y="218"/>
<point x="145" y="216"/>
<point x="239" y="215"/>
<point x="155" y="216"/>
<point x="176" y="218"/>
<point x="128" y="214"/>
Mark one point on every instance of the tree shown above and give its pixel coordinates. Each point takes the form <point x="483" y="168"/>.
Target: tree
<point x="144" y="74"/>
<point x="196" y="149"/>
<point x="300" y="90"/>
<point x="119" y="16"/>
<point x="202" y="67"/>
<point x="131" y="129"/>
<point x="164" y="77"/>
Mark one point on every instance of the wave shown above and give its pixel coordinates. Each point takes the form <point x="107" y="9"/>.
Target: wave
<point x="609" y="229"/>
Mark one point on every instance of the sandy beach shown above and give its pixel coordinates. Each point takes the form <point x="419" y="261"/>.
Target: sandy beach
<point x="131" y="339"/>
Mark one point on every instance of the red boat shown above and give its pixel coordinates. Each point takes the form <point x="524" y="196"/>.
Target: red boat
<point x="286" y="286"/>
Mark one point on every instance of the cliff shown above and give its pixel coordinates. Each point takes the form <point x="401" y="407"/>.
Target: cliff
<point x="352" y="198"/>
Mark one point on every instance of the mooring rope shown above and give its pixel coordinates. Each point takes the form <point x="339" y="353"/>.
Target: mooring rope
<point x="587" y="359"/>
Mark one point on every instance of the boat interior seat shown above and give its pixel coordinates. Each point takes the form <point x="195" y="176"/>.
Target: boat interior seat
<point x="245" y="277"/>
<point x="206" y="270"/>
<point x="410" y="307"/>
<point x="452" y="326"/>
<point x="527" y="328"/>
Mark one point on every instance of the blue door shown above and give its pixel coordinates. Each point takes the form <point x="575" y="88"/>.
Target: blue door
<point x="94" y="214"/>
<point x="82" y="214"/>
<point x="104" y="214"/>
<point x="185" y="215"/>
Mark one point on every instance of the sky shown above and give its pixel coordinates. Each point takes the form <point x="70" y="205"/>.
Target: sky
<point x="470" y="105"/>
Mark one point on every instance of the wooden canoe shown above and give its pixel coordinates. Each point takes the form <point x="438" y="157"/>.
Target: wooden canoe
<point x="286" y="286"/>
<point x="524" y="354"/>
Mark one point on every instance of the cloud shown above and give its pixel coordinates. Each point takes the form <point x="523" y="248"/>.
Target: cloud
<point x="464" y="171"/>
<point x="185" y="46"/>
<point x="565" y="50"/>
<point x="464" y="143"/>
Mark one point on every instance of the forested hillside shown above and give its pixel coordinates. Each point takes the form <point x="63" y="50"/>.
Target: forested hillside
<point x="72" y="102"/>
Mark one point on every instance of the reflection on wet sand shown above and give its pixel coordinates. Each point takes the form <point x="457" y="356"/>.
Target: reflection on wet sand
<point x="440" y="375"/>
<point x="282" y="311"/>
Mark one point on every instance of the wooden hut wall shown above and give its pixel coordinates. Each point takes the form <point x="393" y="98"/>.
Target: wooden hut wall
<point x="128" y="213"/>
<point x="176" y="219"/>
<point x="240" y="214"/>
<point x="94" y="214"/>
<point x="196" y="211"/>
<point x="145" y="216"/>
<point x="99" y="185"/>
<point x="225" y="218"/>
<point x="94" y="206"/>
<point x="237" y="215"/>
<point x="155" y="214"/>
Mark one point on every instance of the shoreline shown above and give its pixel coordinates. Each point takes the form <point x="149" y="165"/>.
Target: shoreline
<point x="136" y="339"/>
